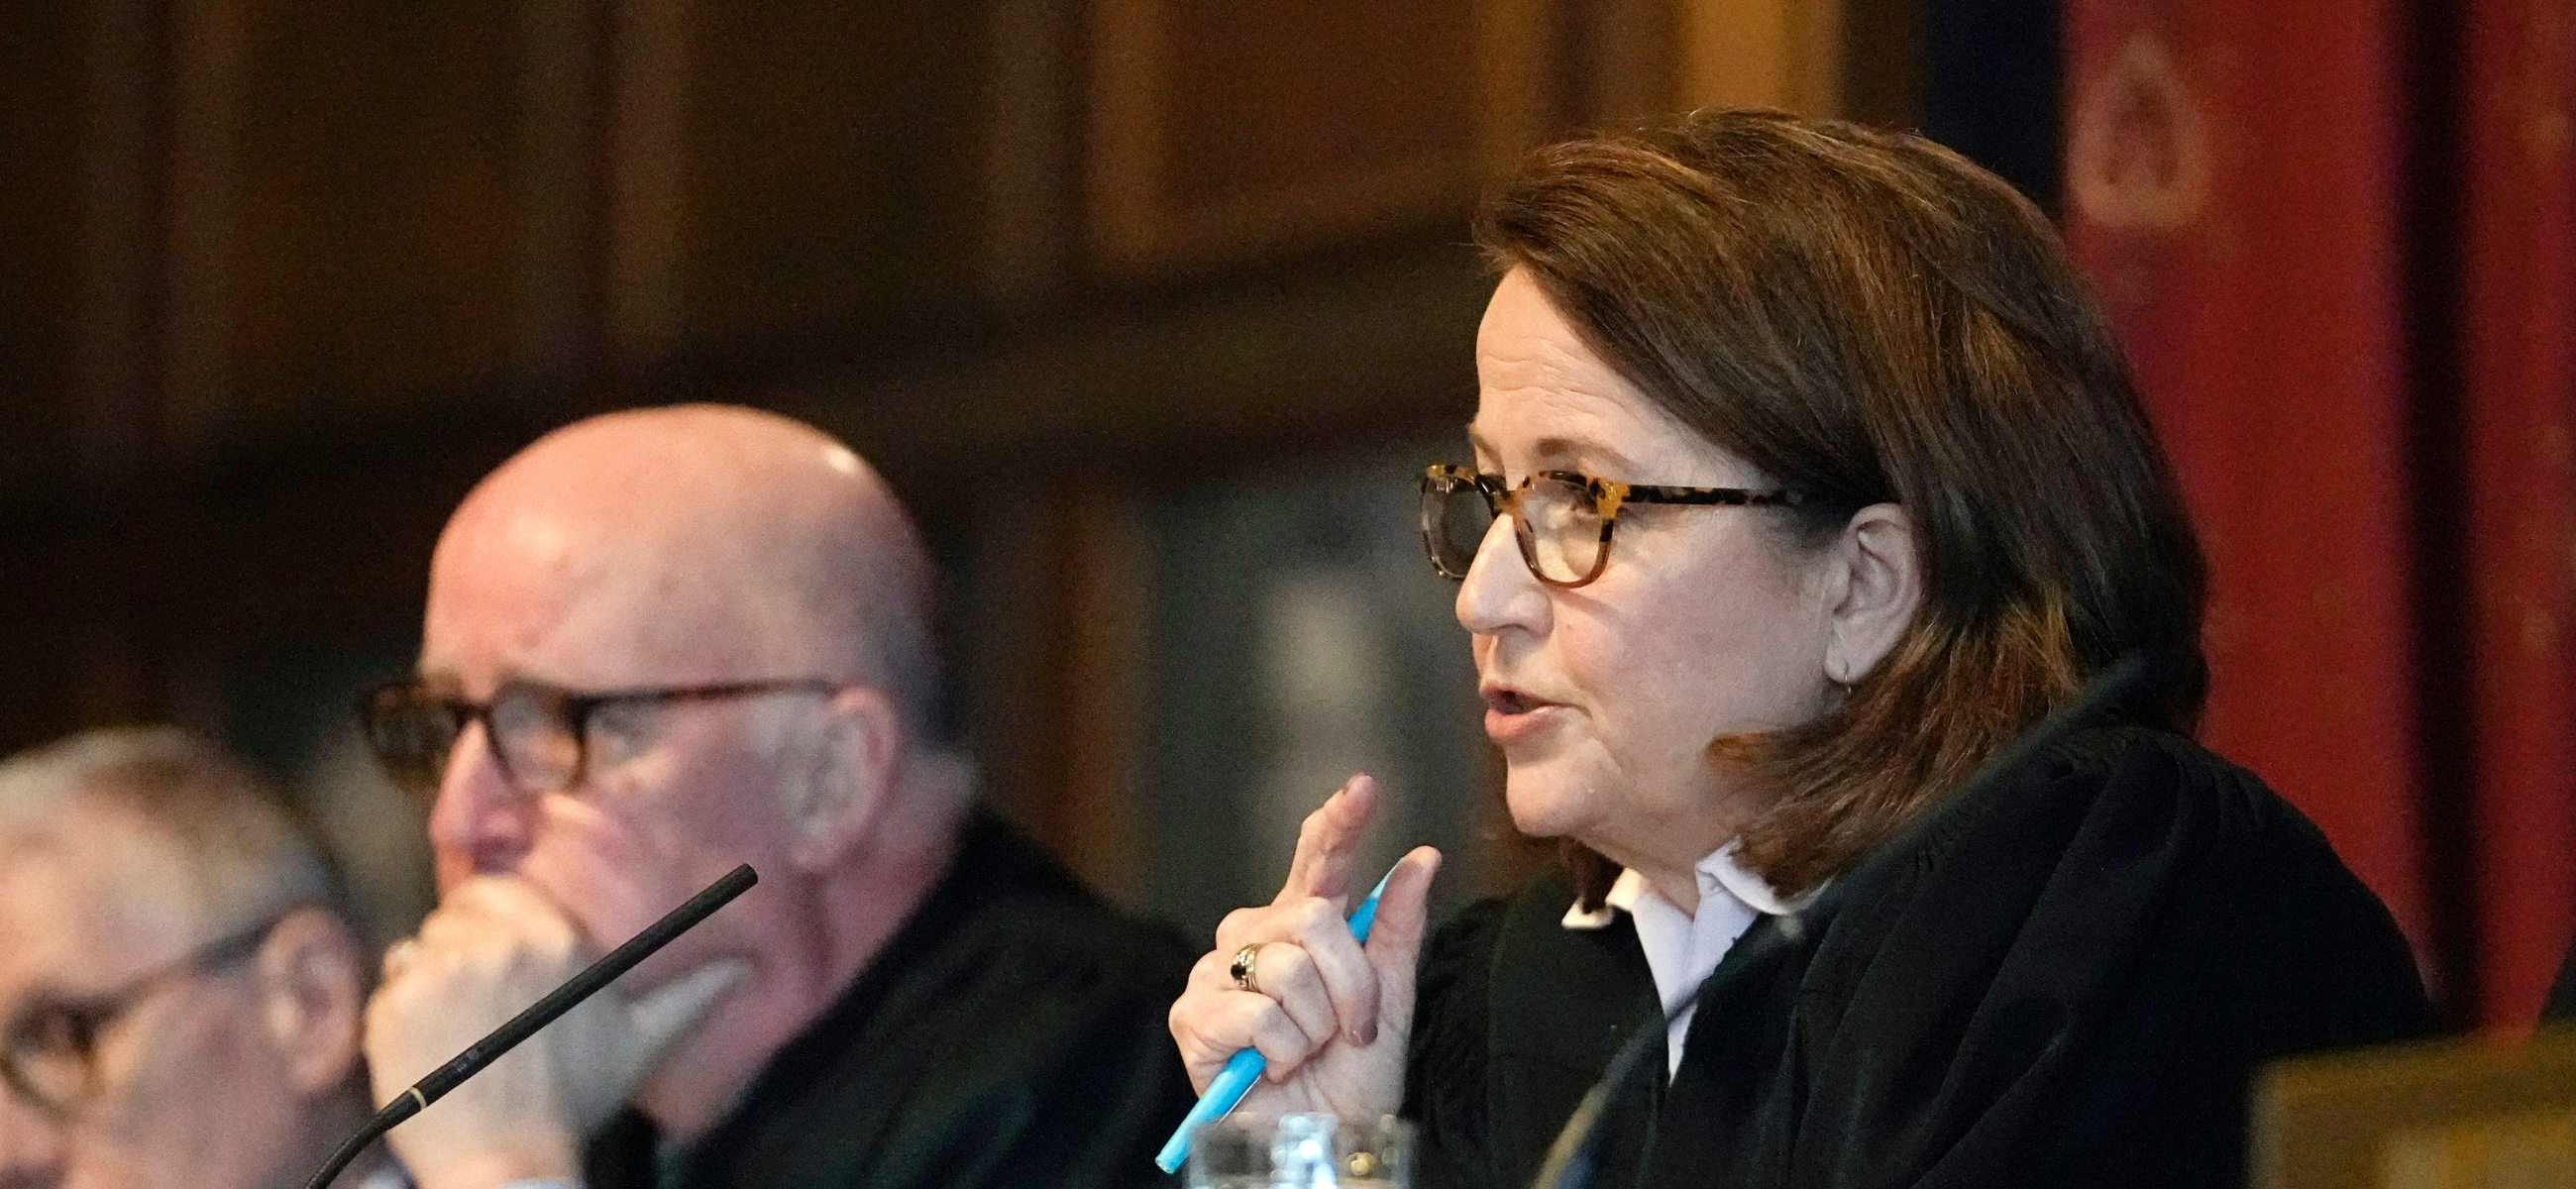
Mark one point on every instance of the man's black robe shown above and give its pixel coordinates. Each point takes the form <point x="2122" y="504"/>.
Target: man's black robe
<point x="1011" y="1033"/>
<point x="2064" y="978"/>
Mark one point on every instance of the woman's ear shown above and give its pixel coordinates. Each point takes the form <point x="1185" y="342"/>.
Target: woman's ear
<point x="859" y="757"/>
<point x="312" y="980"/>
<point x="1878" y="573"/>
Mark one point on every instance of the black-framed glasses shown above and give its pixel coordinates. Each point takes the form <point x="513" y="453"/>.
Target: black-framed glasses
<point x="49" y="1048"/>
<point x="1562" y="519"/>
<point x="543" y="737"/>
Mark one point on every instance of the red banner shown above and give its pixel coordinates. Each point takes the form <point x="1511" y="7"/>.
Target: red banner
<point x="2341" y="251"/>
<point x="2232" y="186"/>
<point x="2517" y="341"/>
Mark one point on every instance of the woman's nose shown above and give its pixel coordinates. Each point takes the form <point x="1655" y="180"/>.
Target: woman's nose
<point x="1499" y="591"/>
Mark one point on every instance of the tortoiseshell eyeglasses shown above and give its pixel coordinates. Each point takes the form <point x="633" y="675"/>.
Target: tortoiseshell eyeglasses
<point x="1562" y="519"/>
<point x="543" y="737"/>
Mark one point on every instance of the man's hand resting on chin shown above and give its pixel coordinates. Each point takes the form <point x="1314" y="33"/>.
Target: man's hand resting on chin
<point x="495" y="945"/>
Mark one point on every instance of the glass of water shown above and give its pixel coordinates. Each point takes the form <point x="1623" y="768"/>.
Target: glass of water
<point x="1302" y="1152"/>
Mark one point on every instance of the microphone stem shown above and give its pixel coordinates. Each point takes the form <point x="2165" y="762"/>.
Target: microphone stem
<point x="349" y="1148"/>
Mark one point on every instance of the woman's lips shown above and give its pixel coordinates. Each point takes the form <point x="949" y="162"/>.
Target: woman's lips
<point x="1511" y="714"/>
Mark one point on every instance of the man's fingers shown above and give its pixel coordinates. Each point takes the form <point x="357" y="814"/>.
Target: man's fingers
<point x="1327" y="840"/>
<point x="669" y="1011"/>
<point x="494" y="906"/>
<point x="499" y="896"/>
<point x="399" y="957"/>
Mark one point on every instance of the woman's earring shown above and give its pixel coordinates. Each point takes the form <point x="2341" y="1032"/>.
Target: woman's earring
<point x="1837" y="680"/>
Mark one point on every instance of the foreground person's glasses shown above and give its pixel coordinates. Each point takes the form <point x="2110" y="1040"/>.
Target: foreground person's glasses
<point x="1562" y="519"/>
<point x="542" y="737"/>
<point x="49" y="1049"/>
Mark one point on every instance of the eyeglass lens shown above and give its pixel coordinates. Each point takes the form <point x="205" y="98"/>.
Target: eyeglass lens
<point x="48" y="1056"/>
<point x="1560" y="533"/>
<point x="533" y="732"/>
<point x="411" y="731"/>
<point x="1558" y="530"/>
<point x="414" y="731"/>
<point x="1455" y="519"/>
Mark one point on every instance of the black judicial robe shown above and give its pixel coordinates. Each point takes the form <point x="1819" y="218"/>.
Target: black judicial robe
<point x="1012" y="1033"/>
<point x="2063" y="979"/>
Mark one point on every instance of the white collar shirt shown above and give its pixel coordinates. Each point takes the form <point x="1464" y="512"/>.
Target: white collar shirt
<point x="1683" y="948"/>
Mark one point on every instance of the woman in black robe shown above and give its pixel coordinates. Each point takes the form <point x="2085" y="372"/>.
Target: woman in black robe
<point x="1824" y="482"/>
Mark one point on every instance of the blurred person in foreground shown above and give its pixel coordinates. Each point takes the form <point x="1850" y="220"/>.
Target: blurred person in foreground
<point x="180" y="990"/>
<point x="1807" y="477"/>
<point x="664" y="642"/>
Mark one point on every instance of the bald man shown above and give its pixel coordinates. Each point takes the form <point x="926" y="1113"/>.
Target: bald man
<point x="664" y="642"/>
<point x="179" y="987"/>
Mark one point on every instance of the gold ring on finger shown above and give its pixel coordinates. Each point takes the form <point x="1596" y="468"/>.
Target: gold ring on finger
<point x="1244" y="960"/>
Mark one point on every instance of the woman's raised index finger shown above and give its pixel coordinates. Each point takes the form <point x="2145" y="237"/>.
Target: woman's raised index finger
<point x="1328" y="843"/>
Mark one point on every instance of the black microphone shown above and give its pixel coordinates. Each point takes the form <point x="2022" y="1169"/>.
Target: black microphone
<point x="1571" y="1159"/>
<point x="539" y="1014"/>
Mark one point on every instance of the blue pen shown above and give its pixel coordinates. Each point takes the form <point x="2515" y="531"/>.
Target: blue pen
<point x="1244" y="1068"/>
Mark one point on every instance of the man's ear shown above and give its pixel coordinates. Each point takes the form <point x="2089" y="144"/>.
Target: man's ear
<point x="312" y="978"/>
<point x="854" y="769"/>
<point x="1877" y="586"/>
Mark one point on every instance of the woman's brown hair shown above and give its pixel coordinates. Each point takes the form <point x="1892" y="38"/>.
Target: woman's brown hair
<point x="1867" y="317"/>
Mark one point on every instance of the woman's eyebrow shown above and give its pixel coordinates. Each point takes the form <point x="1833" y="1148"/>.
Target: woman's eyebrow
<point x="1582" y="454"/>
<point x="1562" y="452"/>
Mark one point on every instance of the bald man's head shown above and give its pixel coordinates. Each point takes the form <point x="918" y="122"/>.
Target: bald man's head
<point x="691" y="544"/>
<point x="664" y="643"/>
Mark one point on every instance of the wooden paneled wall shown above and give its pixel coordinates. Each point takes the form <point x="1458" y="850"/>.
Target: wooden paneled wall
<point x="285" y="276"/>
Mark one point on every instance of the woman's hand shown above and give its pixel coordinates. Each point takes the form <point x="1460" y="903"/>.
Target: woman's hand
<point x="1331" y="1017"/>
